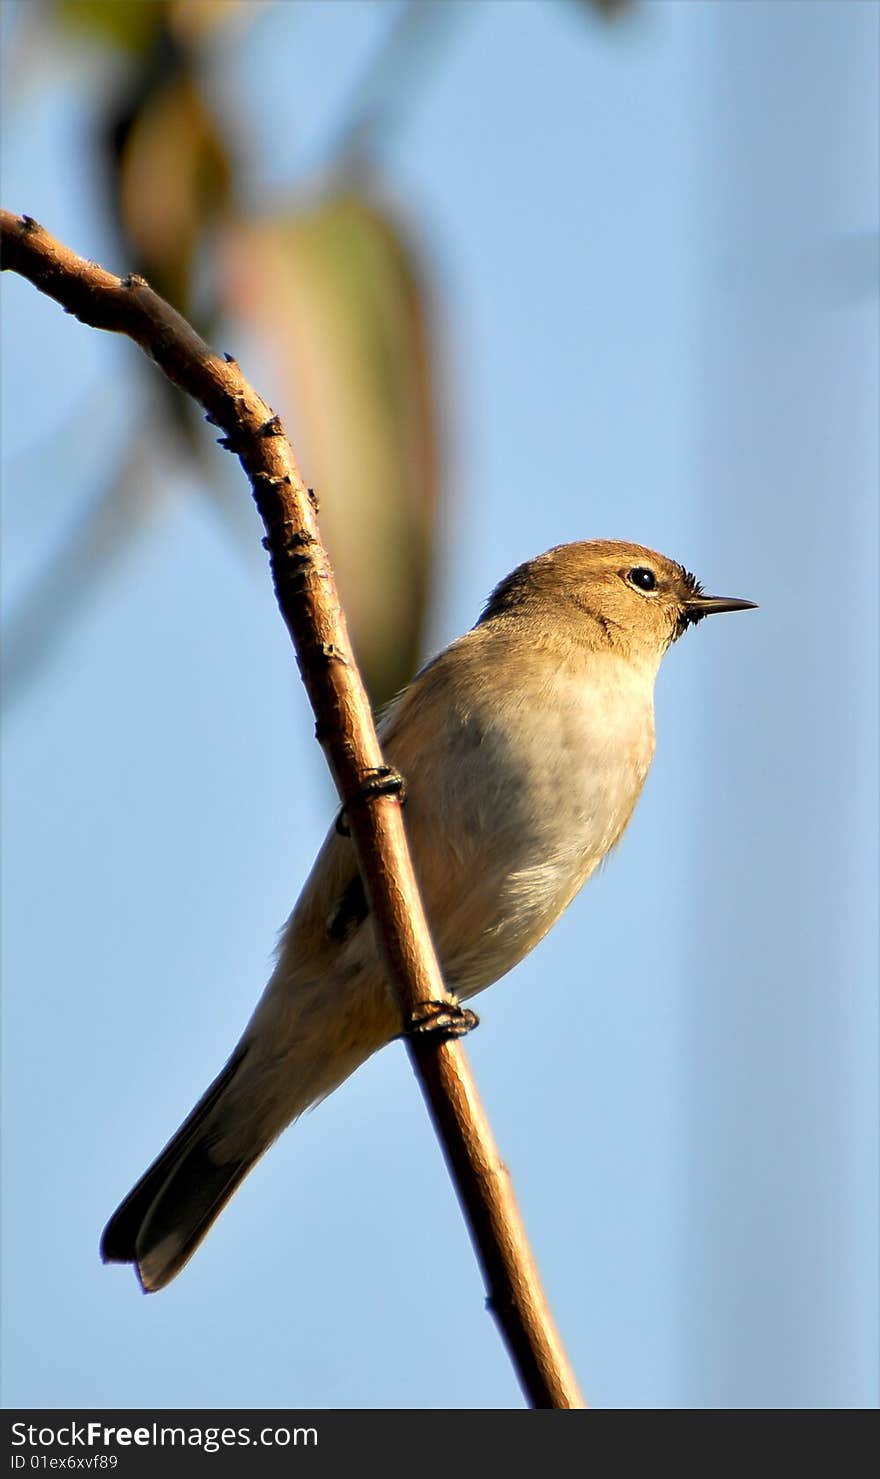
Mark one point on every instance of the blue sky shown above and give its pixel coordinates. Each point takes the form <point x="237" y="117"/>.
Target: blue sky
<point x="654" y="249"/>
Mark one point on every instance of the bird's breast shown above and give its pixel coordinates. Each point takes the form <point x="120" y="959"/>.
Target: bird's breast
<point x="519" y="804"/>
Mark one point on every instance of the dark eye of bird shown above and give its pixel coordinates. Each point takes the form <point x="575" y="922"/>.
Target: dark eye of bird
<point x="642" y="577"/>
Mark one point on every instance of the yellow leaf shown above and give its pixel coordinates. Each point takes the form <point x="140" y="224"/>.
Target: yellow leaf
<point x="338" y="297"/>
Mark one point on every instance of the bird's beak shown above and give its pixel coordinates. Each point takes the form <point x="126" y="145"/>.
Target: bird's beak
<point x="696" y="607"/>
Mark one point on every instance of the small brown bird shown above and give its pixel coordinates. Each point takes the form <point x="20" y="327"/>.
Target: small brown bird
<point x="525" y="746"/>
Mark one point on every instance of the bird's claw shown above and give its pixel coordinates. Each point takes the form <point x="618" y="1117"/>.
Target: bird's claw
<point x="445" y="1018"/>
<point x="383" y="781"/>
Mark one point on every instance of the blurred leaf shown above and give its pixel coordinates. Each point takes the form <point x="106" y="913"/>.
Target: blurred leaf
<point x="134" y="25"/>
<point x="174" y="182"/>
<point x="169" y="168"/>
<point x="130" y="24"/>
<point x="338" y="296"/>
<point x="193" y="20"/>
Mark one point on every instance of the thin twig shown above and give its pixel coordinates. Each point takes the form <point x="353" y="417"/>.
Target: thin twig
<point x="310" y="606"/>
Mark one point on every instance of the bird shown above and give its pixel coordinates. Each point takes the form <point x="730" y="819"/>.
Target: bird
<point x="524" y="746"/>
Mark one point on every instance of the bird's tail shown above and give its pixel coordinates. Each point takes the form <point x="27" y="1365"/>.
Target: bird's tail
<point x="298" y="1047"/>
<point x="165" y="1216"/>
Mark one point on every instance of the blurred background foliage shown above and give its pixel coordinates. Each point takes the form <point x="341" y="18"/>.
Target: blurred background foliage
<point x="513" y="271"/>
<point x="332" y="282"/>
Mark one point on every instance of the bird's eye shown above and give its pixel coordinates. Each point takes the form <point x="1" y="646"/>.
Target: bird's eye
<point x="643" y="578"/>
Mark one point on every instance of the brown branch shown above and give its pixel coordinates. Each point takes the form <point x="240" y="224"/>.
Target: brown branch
<point x="310" y="606"/>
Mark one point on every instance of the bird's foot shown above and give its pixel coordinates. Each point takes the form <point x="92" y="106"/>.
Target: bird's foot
<point x="383" y="781"/>
<point x="444" y="1018"/>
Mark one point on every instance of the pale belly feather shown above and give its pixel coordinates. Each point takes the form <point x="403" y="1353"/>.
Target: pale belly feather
<point x="524" y="808"/>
